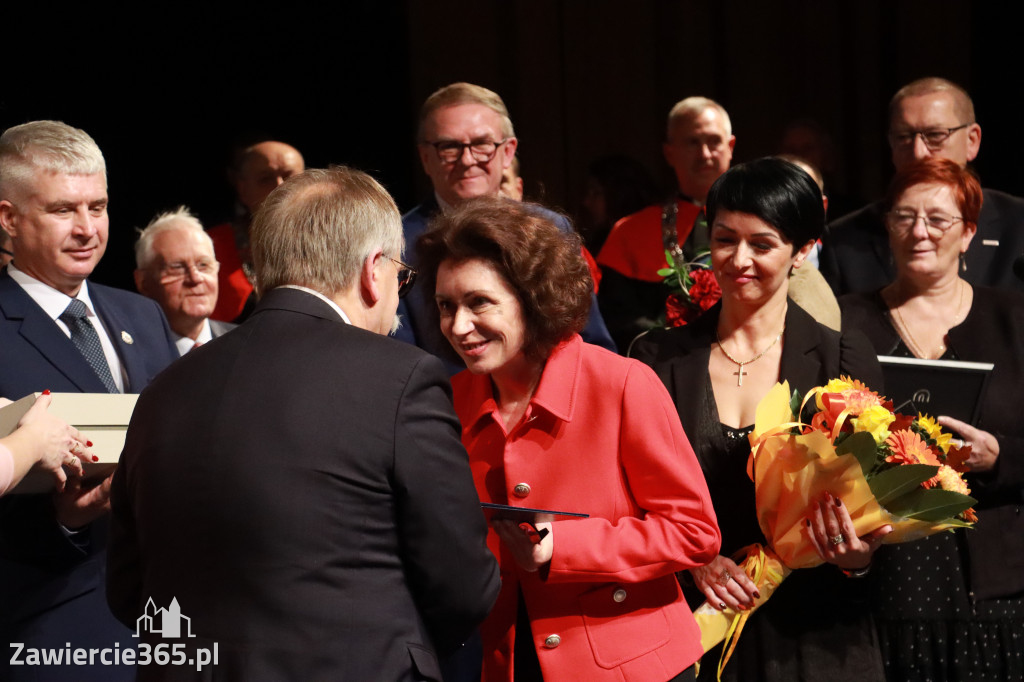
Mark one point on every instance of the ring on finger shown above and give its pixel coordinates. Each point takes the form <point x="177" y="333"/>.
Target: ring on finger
<point x="837" y="539"/>
<point x="725" y="577"/>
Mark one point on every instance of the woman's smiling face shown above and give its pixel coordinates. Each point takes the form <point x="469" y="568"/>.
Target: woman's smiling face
<point x="751" y="259"/>
<point x="480" y="314"/>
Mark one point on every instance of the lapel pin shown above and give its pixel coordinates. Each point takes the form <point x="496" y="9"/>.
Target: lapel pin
<point x="127" y="338"/>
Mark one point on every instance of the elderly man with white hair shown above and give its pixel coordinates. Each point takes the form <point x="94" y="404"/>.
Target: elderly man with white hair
<point x="176" y="267"/>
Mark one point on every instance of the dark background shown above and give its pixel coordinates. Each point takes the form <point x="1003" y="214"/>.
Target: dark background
<point x="169" y="92"/>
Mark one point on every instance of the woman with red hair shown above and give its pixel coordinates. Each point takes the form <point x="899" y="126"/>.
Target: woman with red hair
<point x="951" y="607"/>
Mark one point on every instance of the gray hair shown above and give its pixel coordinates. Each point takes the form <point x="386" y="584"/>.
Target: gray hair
<point x="178" y="219"/>
<point x="318" y="228"/>
<point x="46" y="145"/>
<point x="465" y="93"/>
<point x="691" y="107"/>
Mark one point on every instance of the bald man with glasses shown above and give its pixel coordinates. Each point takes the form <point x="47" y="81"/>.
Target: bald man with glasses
<point x="929" y="117"/>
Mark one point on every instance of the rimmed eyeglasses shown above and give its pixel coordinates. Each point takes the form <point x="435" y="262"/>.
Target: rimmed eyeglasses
<point x="450" y="151"/>
<point x="937" y="223"/>
<point x="933" y="138"/>
<point x="406" y="276"/>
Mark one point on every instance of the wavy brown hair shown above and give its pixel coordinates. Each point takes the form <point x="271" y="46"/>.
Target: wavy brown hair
<point x="543" y="265"/>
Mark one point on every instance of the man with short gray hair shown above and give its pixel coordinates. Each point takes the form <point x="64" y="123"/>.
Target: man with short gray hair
<point x="176" y="267"/>
<point x="330" y="528"/>
<point x="61" y="332"/>
<point x="928" y="117"/>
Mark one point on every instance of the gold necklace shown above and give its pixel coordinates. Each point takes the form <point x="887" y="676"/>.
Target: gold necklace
<point x="915" y="348"/>
<point x="739" y="373"/>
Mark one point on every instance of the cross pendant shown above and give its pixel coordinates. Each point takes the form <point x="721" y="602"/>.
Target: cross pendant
<point x="739" y="374"/>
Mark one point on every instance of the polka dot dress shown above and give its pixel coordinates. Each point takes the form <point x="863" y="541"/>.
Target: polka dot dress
<point x="930" y="627"/>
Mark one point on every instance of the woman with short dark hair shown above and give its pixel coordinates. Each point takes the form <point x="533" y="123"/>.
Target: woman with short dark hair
<point x="551" y="422"/>
<point x="764" y="218"/>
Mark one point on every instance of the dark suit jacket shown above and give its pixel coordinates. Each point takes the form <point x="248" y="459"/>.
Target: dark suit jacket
<point x="311" y="507"/>
<point x="993" y="331"/>
<point x="855" y="254"/>
<point x="50" y="585"/>
<point x="419" y="321"/>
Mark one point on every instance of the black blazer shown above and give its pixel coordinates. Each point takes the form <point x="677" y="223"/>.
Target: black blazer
<point x="300" y="487"/>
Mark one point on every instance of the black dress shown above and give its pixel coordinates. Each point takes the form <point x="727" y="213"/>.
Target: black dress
<point x="951" y="606"/>
<point x="817" y="625"/>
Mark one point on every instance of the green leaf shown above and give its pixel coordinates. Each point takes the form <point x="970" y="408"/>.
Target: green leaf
<point x="930" y="505"/>
<point x="862" y="446"/>
<point x="794" y="402"/>
<point x="889" y="484"/>
<point x="666" y="272"/>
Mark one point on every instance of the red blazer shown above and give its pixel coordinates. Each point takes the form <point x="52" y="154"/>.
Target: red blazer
<point x="600" y="436"/>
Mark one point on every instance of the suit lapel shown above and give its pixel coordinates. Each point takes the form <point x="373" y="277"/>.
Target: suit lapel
<point x="43" y="334"/>
<point x="800" y="365"/>
<point x="122" y="335"/>
<point x="689" y="373"/>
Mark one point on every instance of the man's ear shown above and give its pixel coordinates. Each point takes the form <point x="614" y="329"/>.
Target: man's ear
<point x="140" y="278"/>
<point x="7" y="218"/>
<point x="369" y="283"/>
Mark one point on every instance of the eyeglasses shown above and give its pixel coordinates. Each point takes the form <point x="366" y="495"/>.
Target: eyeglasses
<point x="482" y="151"/>
<point x="406" y="276"/>
<point x="937" y="223"/>
<point x="172" y="272"/>
<point x="933" y="138"/>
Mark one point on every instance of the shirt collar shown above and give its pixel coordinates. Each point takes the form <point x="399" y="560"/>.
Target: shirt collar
<point x="185" y="344"/>
<point x="53" y="302"/>
<point x="556" y="391"/>
<point x="334" y="306"/>
<point x="442" y="204"/>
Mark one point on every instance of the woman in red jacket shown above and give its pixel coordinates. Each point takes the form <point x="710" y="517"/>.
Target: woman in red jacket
<point x="551" y="422"/>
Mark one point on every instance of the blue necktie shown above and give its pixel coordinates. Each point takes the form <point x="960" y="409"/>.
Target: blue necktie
<point x="87" y="341"/>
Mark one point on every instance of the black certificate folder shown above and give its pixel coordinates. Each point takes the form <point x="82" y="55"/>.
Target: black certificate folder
<point x="936" y="387"/>
<point x="504" y="512"/>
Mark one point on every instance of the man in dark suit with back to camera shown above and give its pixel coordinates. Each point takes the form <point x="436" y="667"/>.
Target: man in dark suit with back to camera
<point x="929" y="117"/>
<point x="58" y="331"/>
<point x="311" y="508"/>
<point x="466" y="141"/>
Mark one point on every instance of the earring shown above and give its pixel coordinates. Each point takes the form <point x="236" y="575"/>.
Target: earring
<point x="963" y="262"/>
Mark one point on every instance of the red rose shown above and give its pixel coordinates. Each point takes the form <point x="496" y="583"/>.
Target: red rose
<point x="705" y="291"/>
<point x="677" y="310"/>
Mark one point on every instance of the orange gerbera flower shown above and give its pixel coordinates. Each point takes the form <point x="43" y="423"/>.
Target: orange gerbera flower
<point x="906" y="447"/>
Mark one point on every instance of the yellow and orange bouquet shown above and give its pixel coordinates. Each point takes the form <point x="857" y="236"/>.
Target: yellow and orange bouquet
<point x="887" y="468"/>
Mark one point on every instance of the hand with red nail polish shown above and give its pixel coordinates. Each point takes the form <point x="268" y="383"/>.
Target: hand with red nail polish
<point x="43" y="441"/>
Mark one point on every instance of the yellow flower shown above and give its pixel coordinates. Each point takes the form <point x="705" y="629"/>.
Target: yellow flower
<point x="839" y="385"/>
<point x="949" y="479"/>
<point x="875" y="420"/>
<point x="934" y="431"/>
